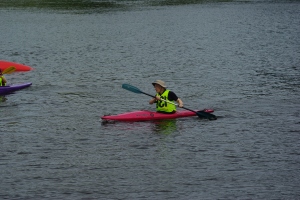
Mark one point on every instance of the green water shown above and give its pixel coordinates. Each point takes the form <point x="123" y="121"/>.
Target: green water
<point x="241" y="59"/>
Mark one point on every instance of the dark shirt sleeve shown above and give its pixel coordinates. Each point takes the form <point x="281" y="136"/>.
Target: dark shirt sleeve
<point x="172" y="96"/>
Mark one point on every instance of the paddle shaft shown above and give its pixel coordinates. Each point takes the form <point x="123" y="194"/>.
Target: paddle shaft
<point x="9" y="70"/>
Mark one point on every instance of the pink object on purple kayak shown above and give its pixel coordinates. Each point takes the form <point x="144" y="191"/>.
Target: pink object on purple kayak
<point x="19" y="67"/>
<point x="144" y="115"/>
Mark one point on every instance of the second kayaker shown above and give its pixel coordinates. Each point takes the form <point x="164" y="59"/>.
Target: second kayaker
<point x="2" y="79"/>
<point x="162" y="93"/>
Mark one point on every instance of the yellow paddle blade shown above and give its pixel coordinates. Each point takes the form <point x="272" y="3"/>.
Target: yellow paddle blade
<point x="9" y="70"/>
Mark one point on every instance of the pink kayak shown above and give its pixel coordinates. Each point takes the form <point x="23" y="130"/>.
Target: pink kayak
<point x="144" y="115"/>
<point x="19" y="67"/>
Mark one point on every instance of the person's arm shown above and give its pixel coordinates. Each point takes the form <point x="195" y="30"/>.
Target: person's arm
<point x="180" y="103"/>
<point x="153" y="100"/>
<point x="173" y="97"/>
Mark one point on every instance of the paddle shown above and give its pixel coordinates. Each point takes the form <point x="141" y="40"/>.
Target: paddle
<point x="200" y="114"/>
<point x="9" y="70"/>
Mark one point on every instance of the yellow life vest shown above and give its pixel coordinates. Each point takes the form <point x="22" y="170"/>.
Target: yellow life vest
<point x="1" y="81"/>
<point x="162" y="106"/>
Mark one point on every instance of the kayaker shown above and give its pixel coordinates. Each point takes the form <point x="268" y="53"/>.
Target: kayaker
<point x="2" y="79"/>
<point x="163" y="93"/>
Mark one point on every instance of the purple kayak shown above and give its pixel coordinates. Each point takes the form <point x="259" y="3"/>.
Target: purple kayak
<point x="11" y="88"/>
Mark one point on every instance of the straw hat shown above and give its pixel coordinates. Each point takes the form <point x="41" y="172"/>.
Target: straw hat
<point x="159" y="82"/>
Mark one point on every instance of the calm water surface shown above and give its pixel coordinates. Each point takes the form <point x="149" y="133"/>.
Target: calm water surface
<point x="239" y="58"/>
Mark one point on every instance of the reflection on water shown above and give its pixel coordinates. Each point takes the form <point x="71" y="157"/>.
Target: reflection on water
<point x="86" y="4"/>
<point x="3" y="98"/>
<point x="182" y="2"/>
<point x="165" y="127"/>
<point x="57" y="4"/>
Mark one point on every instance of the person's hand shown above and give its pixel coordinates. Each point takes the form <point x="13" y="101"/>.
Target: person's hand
<point x="157" y="98"/>
<point x="180" y="105"/>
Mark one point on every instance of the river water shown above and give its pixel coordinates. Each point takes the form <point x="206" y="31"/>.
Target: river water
<point x="240" y="58"/>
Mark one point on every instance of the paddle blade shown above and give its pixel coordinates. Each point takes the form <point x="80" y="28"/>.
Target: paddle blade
<point x="206" y="115"/>
<point x="131" y="88"/>
<point x="9" y="70"/>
